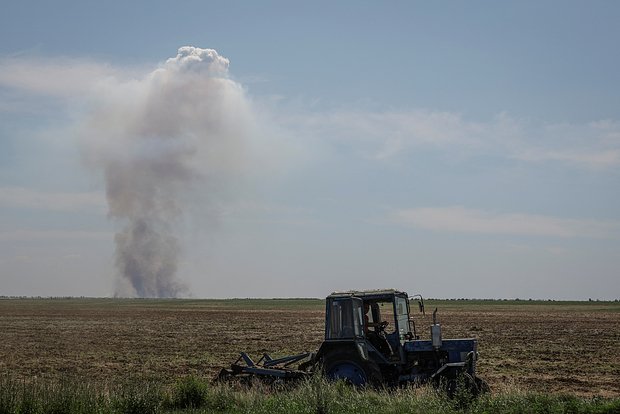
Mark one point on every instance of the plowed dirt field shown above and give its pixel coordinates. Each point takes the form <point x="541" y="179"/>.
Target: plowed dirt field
<point x="568" y="347"/>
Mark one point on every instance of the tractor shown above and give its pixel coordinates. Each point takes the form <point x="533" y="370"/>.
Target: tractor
<point x="371" y="340"/>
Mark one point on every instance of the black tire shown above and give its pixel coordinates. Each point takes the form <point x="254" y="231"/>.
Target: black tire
<point x="352" y="369"/>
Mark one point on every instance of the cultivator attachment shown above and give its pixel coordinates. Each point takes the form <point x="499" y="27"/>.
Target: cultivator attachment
<point x="267" y="368"/>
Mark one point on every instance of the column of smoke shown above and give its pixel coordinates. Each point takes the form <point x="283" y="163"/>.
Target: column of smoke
<point x="158" y="139"/>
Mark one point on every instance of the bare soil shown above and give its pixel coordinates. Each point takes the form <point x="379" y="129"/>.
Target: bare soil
<point x="544" y="346"/>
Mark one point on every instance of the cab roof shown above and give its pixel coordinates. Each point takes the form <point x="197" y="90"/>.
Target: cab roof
<point x="368" y="293"/>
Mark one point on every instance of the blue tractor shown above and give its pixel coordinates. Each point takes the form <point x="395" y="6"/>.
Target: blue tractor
<point x="370" y="339"/>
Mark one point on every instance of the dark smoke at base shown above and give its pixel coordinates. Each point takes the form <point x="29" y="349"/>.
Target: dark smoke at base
<point x="145" y="196"/>
<point x="147" y="258"/>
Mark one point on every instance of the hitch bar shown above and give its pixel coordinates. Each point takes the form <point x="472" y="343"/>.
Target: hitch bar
<point x="266" y="367"/>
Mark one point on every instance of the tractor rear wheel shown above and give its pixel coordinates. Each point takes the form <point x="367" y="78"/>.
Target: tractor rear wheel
<point x="352" y="369"/>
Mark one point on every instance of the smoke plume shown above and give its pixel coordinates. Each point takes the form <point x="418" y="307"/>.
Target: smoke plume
<point x="157" y="139"/>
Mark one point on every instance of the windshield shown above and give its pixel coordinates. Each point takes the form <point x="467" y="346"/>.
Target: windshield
<point x="402" y="315"/>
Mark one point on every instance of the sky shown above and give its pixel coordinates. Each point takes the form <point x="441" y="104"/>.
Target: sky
<point x="291" y="149"/>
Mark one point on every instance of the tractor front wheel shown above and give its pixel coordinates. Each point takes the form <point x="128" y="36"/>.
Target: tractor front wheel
<point x="352" y="369"/>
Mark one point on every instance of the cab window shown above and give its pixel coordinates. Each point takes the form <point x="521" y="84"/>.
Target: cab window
<point x="345" y="319"/>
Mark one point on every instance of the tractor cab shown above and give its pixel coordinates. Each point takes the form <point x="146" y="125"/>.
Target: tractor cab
<point x="377" y="320"/>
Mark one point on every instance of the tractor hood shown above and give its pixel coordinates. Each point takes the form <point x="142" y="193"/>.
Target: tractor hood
<point x="457" y="349"/>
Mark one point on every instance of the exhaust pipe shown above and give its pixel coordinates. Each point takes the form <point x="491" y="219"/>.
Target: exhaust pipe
<point x="436" y="332"/>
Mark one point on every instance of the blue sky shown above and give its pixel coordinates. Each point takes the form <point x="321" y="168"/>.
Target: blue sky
<point x="451" y="149"/>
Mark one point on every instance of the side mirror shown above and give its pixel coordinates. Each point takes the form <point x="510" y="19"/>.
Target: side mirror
<point x="420" y="300"/>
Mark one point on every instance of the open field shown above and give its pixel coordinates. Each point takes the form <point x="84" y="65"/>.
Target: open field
<point x="569" y="347"/>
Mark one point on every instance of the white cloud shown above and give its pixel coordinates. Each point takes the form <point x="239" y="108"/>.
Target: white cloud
<point x="19" y="197"/>
<point x="190" y="58"/>
<point x="382" y="134"/>
<point x="23" y="235"/>
<point x="586" y="158"/>
<point x="391" y="134"/>
<point x="60" y="77"/>
<point x="459" y="219"/>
